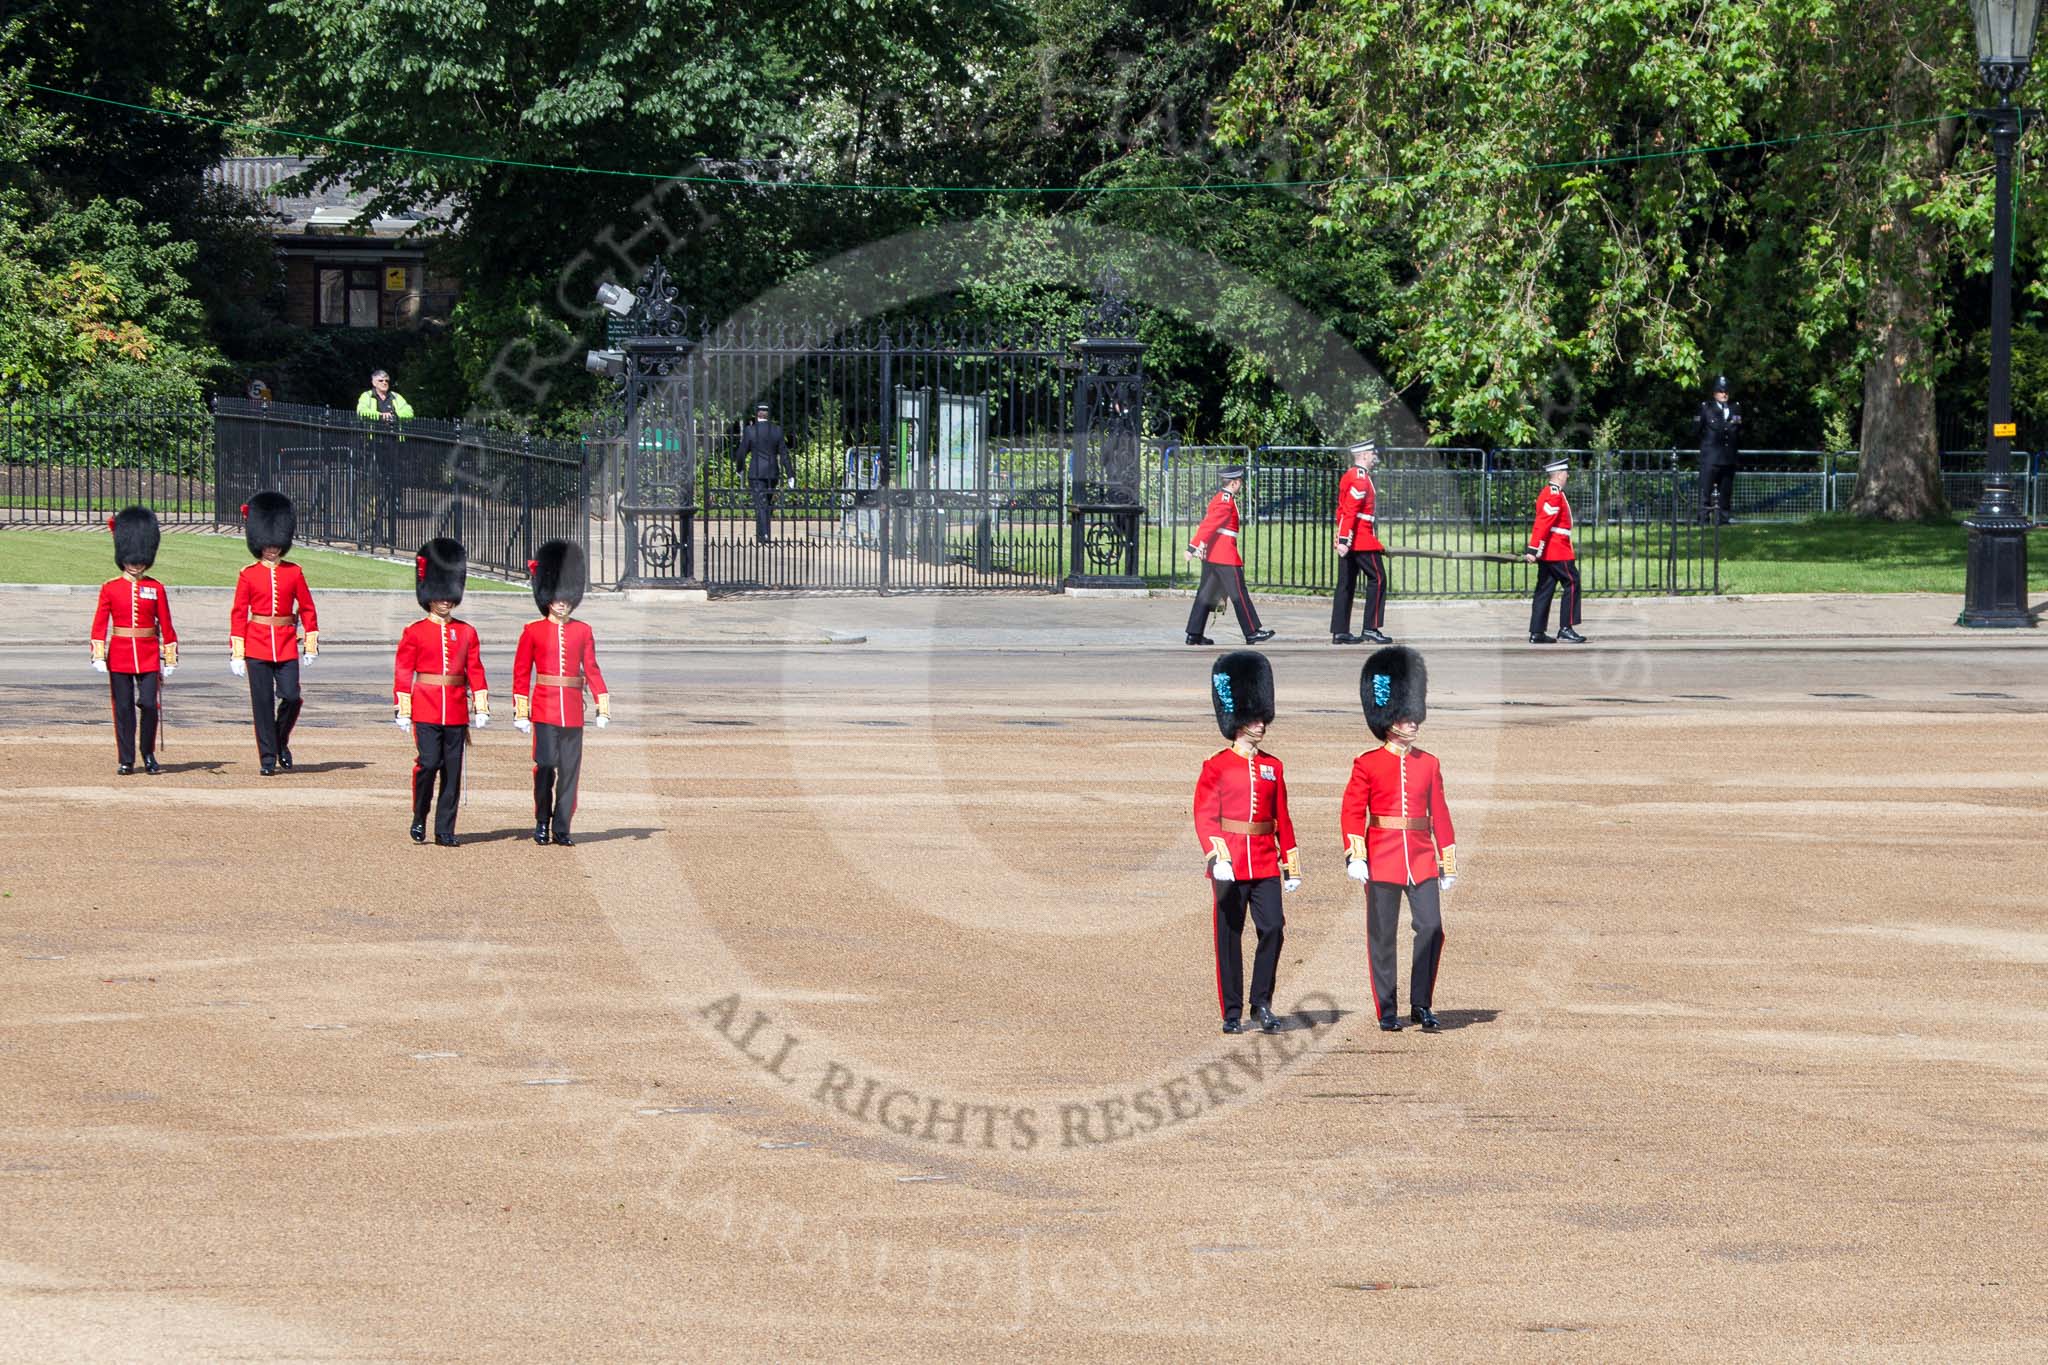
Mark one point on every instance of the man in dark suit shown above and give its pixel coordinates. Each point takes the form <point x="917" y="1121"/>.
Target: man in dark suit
<point x="1717" y="428"/>
<point x="764" y="456"/>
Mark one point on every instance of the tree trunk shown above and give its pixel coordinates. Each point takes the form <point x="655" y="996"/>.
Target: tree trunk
<point x="1900" y="475"/>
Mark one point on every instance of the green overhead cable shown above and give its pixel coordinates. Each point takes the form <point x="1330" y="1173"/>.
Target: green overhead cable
<point x="742" y="182"/>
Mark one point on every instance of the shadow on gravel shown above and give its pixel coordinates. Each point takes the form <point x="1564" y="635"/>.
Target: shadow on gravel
<point x="525" y="832"/>
<point x="1457" y="1019"/>
<point x="337" y="766"/>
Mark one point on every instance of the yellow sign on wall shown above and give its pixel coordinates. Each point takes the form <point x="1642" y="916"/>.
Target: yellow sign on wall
<point x="2005" y="428"/>
<point x="394" y="279"/>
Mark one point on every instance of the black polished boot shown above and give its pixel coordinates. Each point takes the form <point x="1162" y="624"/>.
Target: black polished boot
<point x="447" y="841"/>
<point x="1541" y="640"/>
<point x="1258" y="637"/>
<point x="562" y="839"/>
<point x="1390" y="1025"/>
<point x="419" y="831"/>
<point x="1200" y="640"/>
<point x="540" y="831"/>
<point x="1377" y="637"/>
<point x="284" y="759"/>
<point x="150" y="765"/>
<point x="1571" y="636"/>
<point x="1268" y="1021"/>
<point x="124" y="770"/>
<point x="1427" y="1020"/>
<point x="1233" y="1026"/>
<point x="269" y="768"/>
<point x="1346" y="640"/>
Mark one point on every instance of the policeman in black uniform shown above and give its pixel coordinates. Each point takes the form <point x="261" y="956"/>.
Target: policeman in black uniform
<point x="1717" y="428"/>
<point x="764" y="455"/>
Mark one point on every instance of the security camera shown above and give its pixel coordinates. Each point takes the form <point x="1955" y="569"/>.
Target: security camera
<point x="605" y="362"/>
<point x="614" y="299"/>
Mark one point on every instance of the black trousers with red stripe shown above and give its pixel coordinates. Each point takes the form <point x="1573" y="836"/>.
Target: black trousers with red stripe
<point x="440" y="749"/>
<point x="134" y="692"/>
<point x="1552" y="574"/>
<point x="1222" y="582"/>
<point x="1373" y="565"/>
<point x="557" y="763"/>
<point x="274" y="703"/>
<point x="1261" y="899"/>
<point x="1382" y="930"/>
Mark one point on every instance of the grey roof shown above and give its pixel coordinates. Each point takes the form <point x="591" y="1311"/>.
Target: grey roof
<point x="326" y="208"/>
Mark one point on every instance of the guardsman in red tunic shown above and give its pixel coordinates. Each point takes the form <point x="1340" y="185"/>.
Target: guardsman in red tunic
<point x="272" y="602"/>
<point x="1247" y="836"/>
<point x="1550" y="550"/>
<point x="133" y="642"/>
<point x="1359" y="552"/>
<point x="1214" y="543"/>
<point x="1397" y="833"/>
<point x="439" y="690"/>
<point x="555" y="662"/>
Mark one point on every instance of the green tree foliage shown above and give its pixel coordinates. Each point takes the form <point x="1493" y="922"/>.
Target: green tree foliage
<point x="94" y="304"/>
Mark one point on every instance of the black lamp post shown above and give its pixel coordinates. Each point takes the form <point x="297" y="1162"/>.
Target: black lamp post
<point x="1995" y="589"/>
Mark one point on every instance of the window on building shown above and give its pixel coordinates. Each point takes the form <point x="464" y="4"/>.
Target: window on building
<point x="347" y="296"/>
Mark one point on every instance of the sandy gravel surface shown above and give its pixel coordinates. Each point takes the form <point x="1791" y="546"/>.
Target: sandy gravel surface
<point x="839" y="1030"/>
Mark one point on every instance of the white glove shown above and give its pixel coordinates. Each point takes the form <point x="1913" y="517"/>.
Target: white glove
<point x="522" y="725"/>
<point x="306" y="660"/>
<point x="603" y="720"/>
<point x="792" y="483"/>
<point x="99" y="665"/>
<point x="1446" y="883"/>
<point x="1290" y="884"/>
<point x="1356" y="869"/>
<point x="170" y="669"/>
<point x="1224" y="872"/>
<point x="481" y="720"/>
<point x="402" y="722"/>
<point x="238" y="668"/>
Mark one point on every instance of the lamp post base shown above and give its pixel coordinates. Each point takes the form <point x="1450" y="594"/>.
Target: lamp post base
<point x="1995" y="582"/>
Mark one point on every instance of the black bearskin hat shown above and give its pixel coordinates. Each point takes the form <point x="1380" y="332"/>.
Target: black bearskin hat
<point x="558" y="575"/>
<point x="1393" y="686"/>
<point x="269" y="519"/>
<point x="1241" y="686"/>
<point x="443" y="571"/>
<point x="136" y="536"/>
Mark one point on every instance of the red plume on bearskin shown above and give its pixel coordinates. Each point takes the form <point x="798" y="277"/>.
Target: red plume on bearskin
<point x="559" y="575"/>
<point x="443" y="571"/>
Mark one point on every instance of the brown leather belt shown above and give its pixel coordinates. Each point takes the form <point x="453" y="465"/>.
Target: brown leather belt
<point x="281" y="621"/>
<point x="440" y="680"/>
<point x="135" y="632"/>
<point x="557" y="680"/>
<point x="1247" y="826"/>
<point x="1396" y="822"/>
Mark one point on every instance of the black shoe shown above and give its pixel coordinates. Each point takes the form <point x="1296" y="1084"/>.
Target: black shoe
<point x="284" y="759"/>
<point x="124" y="770"/>
<point x="150" y="765"/>
<point x="1233" y="1026"/>
<point x="1268" y="1021"/>
<point x="1541" y="640"/>
<point x="269" y="767"/>
<point x="1427" y="1020"/>
<point x="562" y="839"/>
<point x="419" y="831"/>
<point x="1571" y="637"/>
<point x="1346" y="640"/>
<point x="540" y="832"/>
<point x="1200" y="640"/>
<point x="1376" y="637"/>
<point x="1257" y="636"/>
<point x="1390" y="1025"/>
<point x="446" y="840"/>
